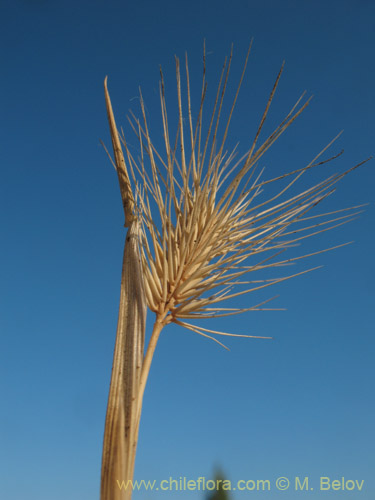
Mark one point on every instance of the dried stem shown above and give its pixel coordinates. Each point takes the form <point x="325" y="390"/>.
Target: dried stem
<point x="122" y="419"/>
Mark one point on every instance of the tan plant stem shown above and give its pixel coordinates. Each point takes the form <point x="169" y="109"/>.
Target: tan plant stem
<point x="122" y="418"/>
<point x="121" y="427"/>
<point x="158" y="326"/>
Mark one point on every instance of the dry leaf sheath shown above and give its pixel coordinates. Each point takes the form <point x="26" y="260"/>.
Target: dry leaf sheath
<point x="202" y="221"/>
<point x="121" y="426"/>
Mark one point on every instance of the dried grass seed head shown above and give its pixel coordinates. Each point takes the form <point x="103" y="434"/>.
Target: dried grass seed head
<point x="211" y="218"/>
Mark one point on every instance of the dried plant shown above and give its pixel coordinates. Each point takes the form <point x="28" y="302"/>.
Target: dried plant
<point x="200" y="224"/>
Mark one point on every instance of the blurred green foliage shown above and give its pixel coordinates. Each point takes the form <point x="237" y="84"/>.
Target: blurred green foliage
<point x="220" y="493"/>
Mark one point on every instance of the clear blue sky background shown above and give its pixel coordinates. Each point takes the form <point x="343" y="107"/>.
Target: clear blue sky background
<point x="300" y="405"/>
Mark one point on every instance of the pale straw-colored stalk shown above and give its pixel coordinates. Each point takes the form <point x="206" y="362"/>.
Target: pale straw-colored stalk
<point x="121" y="426"/>
<point x="202" y="227"/>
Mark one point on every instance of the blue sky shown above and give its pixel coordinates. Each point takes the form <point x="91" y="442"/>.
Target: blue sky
<point x="299" y="405"/>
